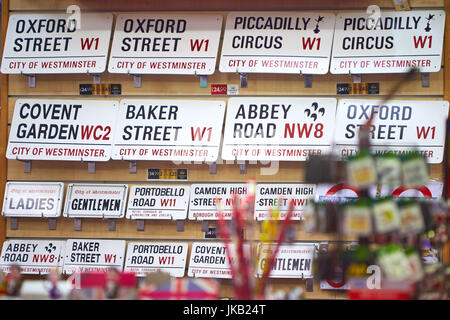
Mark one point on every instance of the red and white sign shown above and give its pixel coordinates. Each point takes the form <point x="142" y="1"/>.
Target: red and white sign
<point x="176" y="130"/>
<point x="271" y="196"/>
<point x="399" y="126"/>
<point x="277" y="42"/>
<point x="158" y="202"/>
<point x="33" y="256"/>
<point x="432" y="190"/>
<point x="278" y="128"/>
<point x="340" y="192"/>
<point x="147" y="257"/>
<point x="93" y="255"/>
<point x="167" y="44"/>
<point x="210" y="260"/>
<point x="33" y="199"/>
<point x="69" y="130"/>
<point x="95" y="200"/>
<point x="388" y="42"/>
<point x="292" y="261"/>
<point x="334" y="285"/>
<point x="205" y="198"/>
<point x="57" y="43"/>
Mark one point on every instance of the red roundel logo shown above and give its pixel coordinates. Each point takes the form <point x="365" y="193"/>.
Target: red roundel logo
<point x="423" y="189"/>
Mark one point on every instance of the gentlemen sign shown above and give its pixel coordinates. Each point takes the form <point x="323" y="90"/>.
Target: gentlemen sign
<point x="278" y="42"/>
<point x="399" y="126"/>
<point x="210" y="260"/>
<point x="273" y="128"/>
<point x="270" y="196"/>
<point x="95" y="200"/>
<point x="57" y="43"/>
<point x="71" y="130"/>
<point x="206" y="198"/>
<point x="33" y="199"/>
<point x="292" y="261"/>
<point x="33" y="256"/>
<point x="146" y="257"/>
<point x="388" y="43"/>
<point x="177" y="130"/>
<point x="158" y="202"/>
<point x="169" y="44"/>
<point x="93" y="255"/>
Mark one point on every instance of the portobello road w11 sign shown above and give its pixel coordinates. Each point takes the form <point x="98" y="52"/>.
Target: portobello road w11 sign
<point x="277" y="42"/>
<point x="388" y="43"/>
<point x="96" y="200"/>
<point x="158" y="202"/>
<point x="279" y="195"/>
<point x="33" y="199"/>
<point x="146" y="257"/>
<point x="399" y="126"/>
<point x="93" y="255"/>
<point x="71" y="130"/>
<point x="275" y="128"/>
<point x="169" y="44"/>
<point x="205" y="198"/>
<point x="177" y="130"/>
<point x="33" y="256"/>
<point x="57" y="43"/>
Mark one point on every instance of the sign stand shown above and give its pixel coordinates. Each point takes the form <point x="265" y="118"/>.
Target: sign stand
<point x="31" y="79"/>
<point x="77" y="224"/>
<point x="140" y="224"/>
<point x="309" y="285"/>
<point x="91" y="167"/>
<point x="51" y="223"/>
<point x="425" y="79"/>
<point x="133" y="166"/>
<point x="205" y="226"/>
<point x="96" y="77"/>
<point x="137" y="79"/>
<point x="244" y="80"/>
<point x="26" y="165"/>
<point x="180" y="225"/>
<point x="243" y="168"/>
<point x="112" y="224"/>
<point x="356" y="77"/>
<point x="14" y="223"/>
<point x="308" y="80"/>
<point x="213" y="168"/>
<point x="203" y="80"/>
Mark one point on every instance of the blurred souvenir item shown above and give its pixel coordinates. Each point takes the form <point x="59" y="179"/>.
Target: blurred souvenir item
<point x="361" y="170"/>
<point x="53" y="279"/>
<point x="112" y="287"/>
<point x="14" y="281"/>
<point x="181" y="289"/>
<point x="2" y="283"/>
<point x="414" y="170"/>
<point x="387" y="218"/>
<point x="321" y="169"/>
<point x="357" y="218"/>
<point x="394" y="262"/>
<point x="411" y="217"/>
<point x="389" y="169"/>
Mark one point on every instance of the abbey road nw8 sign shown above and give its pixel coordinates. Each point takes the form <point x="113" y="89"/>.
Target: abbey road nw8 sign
<point x="176" y="130"/>
<point x="57" y="43"/>
<point x="93" y="255"/>
<point x="388" y="42"/>
<point x="292" y="261"/>
<point x="278" y="42"/>
<point x="168" y="44"/>
<point x="146" y="257"/>
<point x="71" y="130"/>
<point x="205" y="198"/>
<point x="33" y="256"/>
<point x="33" y="199"/>
<point x="276" y="128"/>
<point x="399" y="126"/>
<point x="158" y="202"/>
<point x="279" y="195"/>
<point x="210" y="260"/>
<point x="95" y="200"/>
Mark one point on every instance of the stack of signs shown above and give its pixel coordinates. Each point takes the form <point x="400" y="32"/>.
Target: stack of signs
<point x="279" y="42"/>
<point x="158" y="202"/>
<point x="167" y="44"/>
<point x="388" y="42"/>
<point x="57" y="43"/>
<point x="93" y="255"/>
<point x="278" y="196"/>
<point x="33" y="256"/>
<point x="146" y="257"/>
<point x="33" y="199"/>
<point x="210" y="260"/>
<point x="69" y="130"/>
<point x="177" y="130"/>
<point x="278" y="129"/>
<point x="96" y="200"/>
<point x="206" y="198"/>
<point x="399" y="126"/>
<point x="292" y="261"/>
